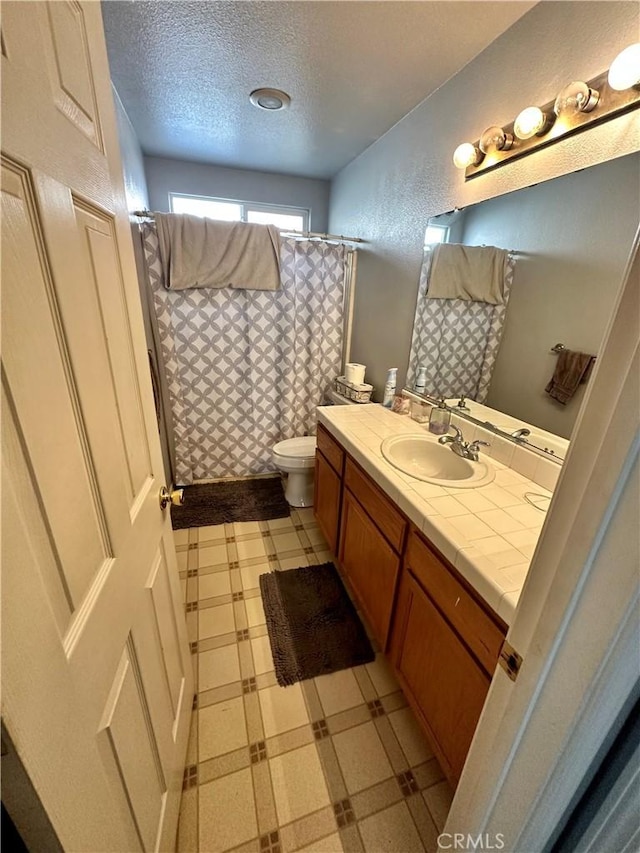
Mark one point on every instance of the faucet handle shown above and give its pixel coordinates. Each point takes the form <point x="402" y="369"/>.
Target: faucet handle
<point x="475" y="445"/>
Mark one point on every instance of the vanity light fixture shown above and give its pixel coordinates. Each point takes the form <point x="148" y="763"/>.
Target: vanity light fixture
<point x="466" y="155"/>
<point x="495" y="139"/>
<point x="578" y="106"/>
<point x="625" y="69"/>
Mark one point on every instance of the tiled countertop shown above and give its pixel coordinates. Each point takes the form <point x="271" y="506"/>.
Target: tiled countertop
<point x="488" y="533"/>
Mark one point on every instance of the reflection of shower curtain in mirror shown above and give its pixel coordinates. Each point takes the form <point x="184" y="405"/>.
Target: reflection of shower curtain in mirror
<point x="457" y="340"/>
<point x="247" y="368"/>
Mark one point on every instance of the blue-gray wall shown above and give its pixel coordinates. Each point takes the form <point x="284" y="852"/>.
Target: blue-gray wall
<point x="179" y="176"/>
<point x="135" y="182"/>
<point x="135" y="187"/>
<point x="387" y="194"/>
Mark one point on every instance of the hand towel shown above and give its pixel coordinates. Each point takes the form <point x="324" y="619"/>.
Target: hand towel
<point x="467" y="272"/>
<point x="572" y="369"/>
<point x="200" y="252"/>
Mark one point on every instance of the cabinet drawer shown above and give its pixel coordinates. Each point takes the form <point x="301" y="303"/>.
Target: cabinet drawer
<point x="387" y="518"/>
<point x="331" y="450"/>
<point x="479" y="631"/>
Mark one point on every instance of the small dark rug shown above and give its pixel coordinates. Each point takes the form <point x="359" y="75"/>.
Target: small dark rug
<point x="313" y="626"/>
<point x="234" y="500"/>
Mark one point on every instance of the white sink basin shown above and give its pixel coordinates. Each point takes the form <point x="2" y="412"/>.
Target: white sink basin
<point x="423" y="458"/>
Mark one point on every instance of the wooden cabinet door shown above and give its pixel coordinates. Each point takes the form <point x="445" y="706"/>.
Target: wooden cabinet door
<point x="444" y="682"/>
<point x="326" y="501"/>
<point x="483" y="632"/>
<point x="370" y="564"/>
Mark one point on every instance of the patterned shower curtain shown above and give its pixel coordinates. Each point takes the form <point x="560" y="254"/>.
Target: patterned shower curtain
<point x="247" y="368"/>
<point x="457" y="340"/>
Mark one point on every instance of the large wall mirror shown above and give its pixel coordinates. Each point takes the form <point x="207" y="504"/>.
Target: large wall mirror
<point x="570" y="238"/>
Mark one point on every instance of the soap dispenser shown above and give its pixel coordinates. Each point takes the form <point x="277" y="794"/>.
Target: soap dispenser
<point x="440" y="418"/>
<point x="421" y="380"/>
<point x="390" y="387"/>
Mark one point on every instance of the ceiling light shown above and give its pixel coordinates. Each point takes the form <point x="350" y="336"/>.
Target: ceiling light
<point x="270" y="99"/>
<point x="625" y="69"/>
<point x="577" y="97"/>
<point x="466" y="155"/>
<point x="530" y="122"/>
<point x="494" y="137"/>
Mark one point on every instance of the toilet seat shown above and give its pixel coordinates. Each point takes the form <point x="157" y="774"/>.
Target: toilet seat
<point x="296" y="452"/>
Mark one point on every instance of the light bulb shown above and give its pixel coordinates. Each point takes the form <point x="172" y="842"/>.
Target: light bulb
<point x="466" y="155"/>
<point x="530" y="122"/>
<point x="494" y="137"/>
<point x="575" y="98"/>
<point x="625" y="69"/>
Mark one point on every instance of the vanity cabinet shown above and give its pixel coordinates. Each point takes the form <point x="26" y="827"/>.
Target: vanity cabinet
<point x="442" y="639"/>
<point x="328" y="487"/>
<point x="444" y="649"/>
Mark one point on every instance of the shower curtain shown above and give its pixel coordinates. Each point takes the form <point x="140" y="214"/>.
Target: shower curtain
<point x="457" y="340"/>
<point x="247" y="368"/>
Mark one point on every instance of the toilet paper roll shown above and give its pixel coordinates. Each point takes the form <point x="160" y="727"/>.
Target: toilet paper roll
<point x="355" y="373"/>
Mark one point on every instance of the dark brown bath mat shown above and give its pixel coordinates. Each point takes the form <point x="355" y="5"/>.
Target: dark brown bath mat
<point x="313" y="626"/>
<point x="232" y="500"/>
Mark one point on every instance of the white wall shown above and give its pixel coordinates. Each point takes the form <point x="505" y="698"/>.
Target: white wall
<point x="572" y="236"/>
<point x="178" y="176"/>
<point x="389" y="192"/>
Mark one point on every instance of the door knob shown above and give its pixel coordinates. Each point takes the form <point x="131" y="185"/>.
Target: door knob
<point x="175" y="497"/>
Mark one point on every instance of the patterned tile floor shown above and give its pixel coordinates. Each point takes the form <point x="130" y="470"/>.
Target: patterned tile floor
<point x="331" y="764"/>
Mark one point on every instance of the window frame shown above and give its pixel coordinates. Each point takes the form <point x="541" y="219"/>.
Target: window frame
<point x="444" y="230"/>
<point x="246" y="206"/>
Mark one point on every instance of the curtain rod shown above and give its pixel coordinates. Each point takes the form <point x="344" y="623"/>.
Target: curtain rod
<point x="511" y="252"/>
<point x="148" y="214"/>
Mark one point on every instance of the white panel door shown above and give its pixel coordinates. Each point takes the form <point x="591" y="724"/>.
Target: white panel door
<point x="97" y="679"/>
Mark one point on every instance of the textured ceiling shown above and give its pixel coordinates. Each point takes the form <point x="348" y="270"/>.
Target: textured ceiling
<point x="184" y="71"/>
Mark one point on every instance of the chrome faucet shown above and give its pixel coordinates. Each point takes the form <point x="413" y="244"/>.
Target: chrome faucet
<point x="519" y="434"/>
<point x="465" y="449"/>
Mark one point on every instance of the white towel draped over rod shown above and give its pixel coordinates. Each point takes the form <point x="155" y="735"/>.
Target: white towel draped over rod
<point x="302" y="235"/>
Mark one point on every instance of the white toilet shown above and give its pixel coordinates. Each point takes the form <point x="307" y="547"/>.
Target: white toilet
<point x="296" y="457"/>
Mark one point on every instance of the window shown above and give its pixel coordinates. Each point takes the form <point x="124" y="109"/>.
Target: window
<point x="436" y="234"/>
<point x="284" y="221"/>
<point x="285" y="218"/>
<point x="227" y="210"/>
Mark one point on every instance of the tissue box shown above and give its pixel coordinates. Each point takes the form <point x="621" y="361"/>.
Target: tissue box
<point x="354" y="391"/>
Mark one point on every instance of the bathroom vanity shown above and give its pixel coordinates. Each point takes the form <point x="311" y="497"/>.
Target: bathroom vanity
<point x="436" y="583"/>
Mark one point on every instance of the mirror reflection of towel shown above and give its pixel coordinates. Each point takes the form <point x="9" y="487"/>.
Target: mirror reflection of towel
<point x="200" y="252"/>
<point x="572" y="369"/>
<point x="474" y="273"/>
